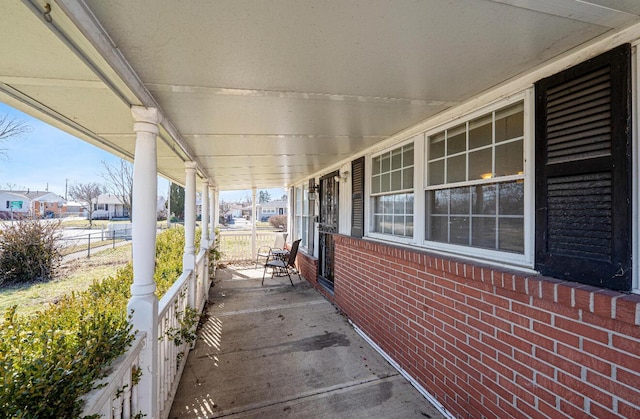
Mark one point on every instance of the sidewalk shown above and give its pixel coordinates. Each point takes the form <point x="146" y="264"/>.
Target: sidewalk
<point x="277" y="351"/>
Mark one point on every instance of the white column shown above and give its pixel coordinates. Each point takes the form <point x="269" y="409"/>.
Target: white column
<point x="189" y="259"/>
<point x="216" y="208"/>
<point x="254" y="216"/>
<point x="204" y="215"/>
<point x="143" y="304"/>
<point x="212" y="215"/>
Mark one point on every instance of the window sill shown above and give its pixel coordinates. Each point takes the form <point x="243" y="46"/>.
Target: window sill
<point x="461" y="254"/>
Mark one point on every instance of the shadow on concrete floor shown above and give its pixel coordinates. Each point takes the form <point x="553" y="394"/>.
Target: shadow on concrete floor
<point x="275" y="351"/>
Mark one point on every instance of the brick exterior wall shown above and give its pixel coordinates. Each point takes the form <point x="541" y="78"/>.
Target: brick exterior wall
<point x="487" y="342"/>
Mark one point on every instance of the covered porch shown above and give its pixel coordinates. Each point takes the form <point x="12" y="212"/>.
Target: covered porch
<point x="282" y="351"/>
<point x="437" y="156"/>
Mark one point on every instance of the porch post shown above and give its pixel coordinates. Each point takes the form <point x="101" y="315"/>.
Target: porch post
<point x="254" y="216"/>
<point x="143" y="305"/>
<point x="204" y="215"/>
<point x="189" y="257"/>
<point x="216" y="208"/>
<point x="212" y="215"/>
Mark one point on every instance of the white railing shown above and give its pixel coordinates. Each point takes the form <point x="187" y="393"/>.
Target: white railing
<point x="116" y="395"/>
<point x="236" y="246"/>
<point x="173" y="348"/>
<point x="202" y="280"/>
<point x="118" y="400"/>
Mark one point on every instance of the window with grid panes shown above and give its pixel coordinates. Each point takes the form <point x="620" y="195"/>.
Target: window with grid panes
<point x="475" y="182"/>
<point x="392" y="191"/>
<point x="302" y="214"/>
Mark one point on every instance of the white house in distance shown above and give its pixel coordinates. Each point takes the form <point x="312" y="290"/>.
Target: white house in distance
<point x="267" y="210"/>
<point x="30" y="203"/>
<point x="108" y="206"/>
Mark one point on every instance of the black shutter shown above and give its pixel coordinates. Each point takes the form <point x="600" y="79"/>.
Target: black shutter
<point x="583" y="172"/>
<point x="311" y="231"/>
<point x="357" y="197"/>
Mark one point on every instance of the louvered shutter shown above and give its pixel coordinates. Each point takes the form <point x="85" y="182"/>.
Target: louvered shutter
<point x="583" y="172"/>
<point x="312" y="220"/>
<point x="357" y="197"/>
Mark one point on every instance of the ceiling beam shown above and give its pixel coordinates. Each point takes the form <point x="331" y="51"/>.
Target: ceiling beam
<point x="335" y="97"/>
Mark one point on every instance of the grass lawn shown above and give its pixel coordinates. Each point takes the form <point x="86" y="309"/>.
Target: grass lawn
<point x="75" y="276"/>
<point x="83" y="247"/>
<point x="81" y="223"/>
<point x="97" y="224"/>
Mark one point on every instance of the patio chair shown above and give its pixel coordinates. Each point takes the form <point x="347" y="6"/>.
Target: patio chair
<point x="281" y="266"/>
<point x="265" y="251"/>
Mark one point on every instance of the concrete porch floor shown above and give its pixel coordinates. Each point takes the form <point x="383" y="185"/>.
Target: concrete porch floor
<point x="281" y="351"/>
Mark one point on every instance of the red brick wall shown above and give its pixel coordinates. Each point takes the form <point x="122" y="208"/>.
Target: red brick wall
<point x="308" y="267"/>
<point x="486" y="342"/>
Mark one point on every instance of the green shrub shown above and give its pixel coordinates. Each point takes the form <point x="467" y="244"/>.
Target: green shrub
<point x="50" y="359"/>
<point x="29" y="251"/>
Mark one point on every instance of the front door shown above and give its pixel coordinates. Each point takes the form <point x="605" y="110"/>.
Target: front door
<point x="327" y="227"/>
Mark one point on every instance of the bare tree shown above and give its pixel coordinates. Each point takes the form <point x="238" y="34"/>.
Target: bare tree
<point x="13" y="187"/>
<point x="119" y="180"/>
<point x="11" y="127"/>
<point x="84" y="194"/>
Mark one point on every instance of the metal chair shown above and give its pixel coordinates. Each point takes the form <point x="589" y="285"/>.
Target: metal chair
<point x="281" y="267"/>
<point x="265" y="251"/>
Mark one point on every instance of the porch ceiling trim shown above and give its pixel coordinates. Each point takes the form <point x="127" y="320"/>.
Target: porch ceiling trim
<point x="583" y="11"/>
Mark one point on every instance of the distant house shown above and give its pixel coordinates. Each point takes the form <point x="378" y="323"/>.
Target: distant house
<point x="108" y="206"/>
<point x="30" y="203"/>
<point x="73" y="209"/>
<point x="267" y="210"/>
<point x="234" y="211"/>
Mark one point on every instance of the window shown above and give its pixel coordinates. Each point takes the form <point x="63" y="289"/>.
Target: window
<point x="302" y="214"/>
<point x="268" y="210"/>
<point x="392" y="192"/>
<point x="475" y="182"/>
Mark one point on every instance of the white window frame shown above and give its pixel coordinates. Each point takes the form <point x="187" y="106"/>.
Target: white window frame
<point x="526" y="259"/>
<point x="304" y="219"/>
<point x="369" y="202"/>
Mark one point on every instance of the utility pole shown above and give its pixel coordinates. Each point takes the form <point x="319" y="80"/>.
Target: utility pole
<point x="66" y="181"/>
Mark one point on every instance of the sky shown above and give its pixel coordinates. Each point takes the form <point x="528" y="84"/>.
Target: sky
<point x="46" y="158"/>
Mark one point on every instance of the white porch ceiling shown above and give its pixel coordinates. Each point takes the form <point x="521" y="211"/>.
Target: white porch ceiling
<point x="265" y="93"/>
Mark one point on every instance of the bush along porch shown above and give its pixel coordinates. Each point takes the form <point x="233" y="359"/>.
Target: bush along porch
<point x="51" y="359"/>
